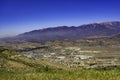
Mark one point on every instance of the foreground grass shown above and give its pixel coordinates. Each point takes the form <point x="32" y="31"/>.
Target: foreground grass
<point x="63" y="75"/>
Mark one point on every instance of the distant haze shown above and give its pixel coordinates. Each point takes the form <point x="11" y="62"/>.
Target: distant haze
<point x="19" y="16"/>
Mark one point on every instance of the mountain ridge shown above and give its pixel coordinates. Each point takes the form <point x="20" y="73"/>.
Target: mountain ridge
<point x="102" y="29"/>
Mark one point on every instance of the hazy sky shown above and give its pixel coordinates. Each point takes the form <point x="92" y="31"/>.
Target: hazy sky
<point x="18" y="16"/>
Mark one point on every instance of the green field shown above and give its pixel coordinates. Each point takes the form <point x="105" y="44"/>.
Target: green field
<point x="63" y="75"/>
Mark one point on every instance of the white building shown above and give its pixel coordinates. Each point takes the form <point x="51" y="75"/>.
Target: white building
<point x="82" y="57"/>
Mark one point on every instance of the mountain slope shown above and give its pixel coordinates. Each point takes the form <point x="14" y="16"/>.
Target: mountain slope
<point x="117" y="36"/>
<point x="104" y="29"/>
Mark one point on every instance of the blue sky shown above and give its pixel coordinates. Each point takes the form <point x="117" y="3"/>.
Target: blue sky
<point x="18" y="16"/>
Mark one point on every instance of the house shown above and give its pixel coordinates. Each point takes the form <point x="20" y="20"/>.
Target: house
<point x="61" y="57"/>
<point x="82" y="57"/>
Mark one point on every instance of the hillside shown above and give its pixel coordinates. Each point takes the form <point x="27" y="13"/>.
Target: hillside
<point x="14" y="61"/>
<point x="84" y="59"/>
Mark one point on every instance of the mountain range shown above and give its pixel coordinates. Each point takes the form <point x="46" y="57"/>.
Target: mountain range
<point x="94" y="30"/>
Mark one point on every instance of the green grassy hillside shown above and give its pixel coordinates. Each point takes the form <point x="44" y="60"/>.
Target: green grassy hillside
<point x="63" y="75"/>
